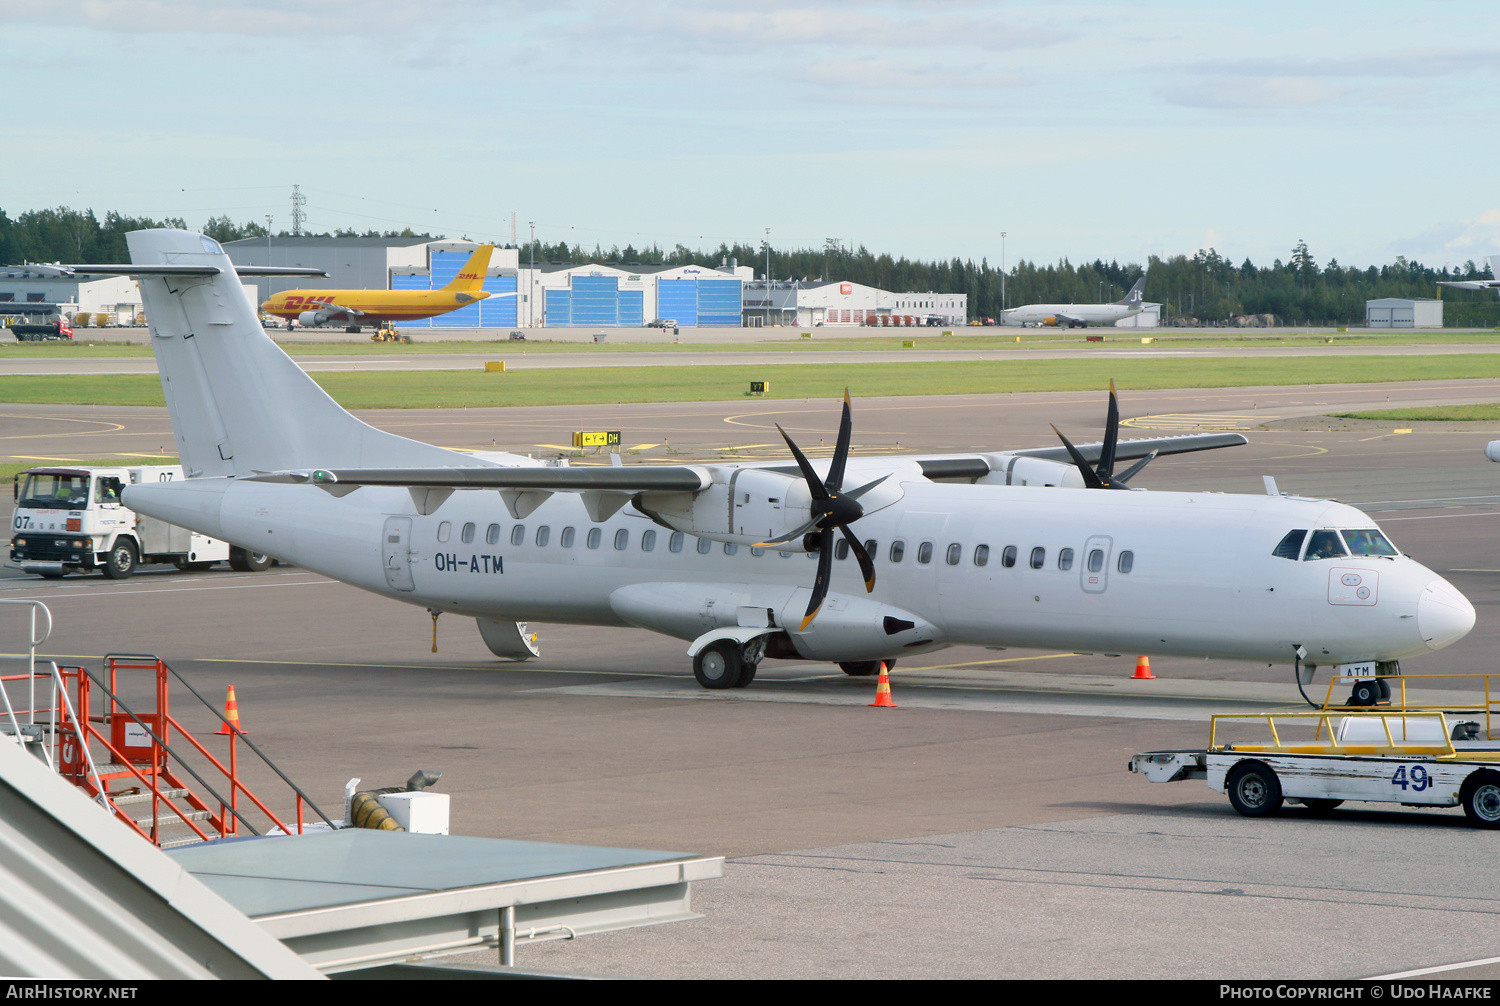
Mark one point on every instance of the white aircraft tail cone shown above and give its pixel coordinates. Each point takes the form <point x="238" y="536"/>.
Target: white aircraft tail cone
<point x="1444" y="615"/>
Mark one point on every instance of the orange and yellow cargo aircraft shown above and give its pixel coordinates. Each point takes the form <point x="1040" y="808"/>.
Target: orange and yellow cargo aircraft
<point x="354" y="308"/>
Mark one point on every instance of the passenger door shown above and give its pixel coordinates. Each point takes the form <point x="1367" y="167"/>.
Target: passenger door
<point x="1094" y="563"/>
<point x="396" y="549"/>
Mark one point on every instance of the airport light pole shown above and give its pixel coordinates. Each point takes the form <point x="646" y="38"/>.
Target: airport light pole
<point x="268" y="254"/>
<point x="531" y="283"/>
<point x="1002" y="277"/>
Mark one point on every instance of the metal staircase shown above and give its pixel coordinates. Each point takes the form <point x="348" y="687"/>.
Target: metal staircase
<point x="142" y="764"/>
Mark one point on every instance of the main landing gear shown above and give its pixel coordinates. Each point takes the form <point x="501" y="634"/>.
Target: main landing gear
<point x="727" y="663"/>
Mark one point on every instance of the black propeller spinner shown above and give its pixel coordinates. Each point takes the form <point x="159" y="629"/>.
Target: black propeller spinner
<point x="1104" y="476"/>
<point x="833" y="510"/>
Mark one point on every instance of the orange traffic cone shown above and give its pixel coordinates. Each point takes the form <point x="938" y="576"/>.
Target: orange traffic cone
<point x="232" y="714"/>
<point x="1143" y="670"/>
<point x="883" y="690"/>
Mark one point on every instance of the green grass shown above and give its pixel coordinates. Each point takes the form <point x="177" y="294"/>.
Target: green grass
<point x="10" y="470"/>
<point x="1433" y="414"/>
<point x="785" y="342"/>
<point x="602" y="385"/>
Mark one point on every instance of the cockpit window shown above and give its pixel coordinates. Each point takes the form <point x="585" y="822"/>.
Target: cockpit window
<point x="1324" y="545"/>
<point x="1370" y="542"/>
<point x="1291" y="545"/>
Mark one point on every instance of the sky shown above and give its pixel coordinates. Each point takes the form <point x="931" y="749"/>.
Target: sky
<point x="923" y="129"/>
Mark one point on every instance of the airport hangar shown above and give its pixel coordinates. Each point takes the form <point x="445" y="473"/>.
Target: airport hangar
<point x="563" y="295"/>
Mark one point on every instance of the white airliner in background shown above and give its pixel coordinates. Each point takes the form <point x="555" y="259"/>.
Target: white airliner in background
<point x="1082" y="315"/>
<point x="851" y="560"/>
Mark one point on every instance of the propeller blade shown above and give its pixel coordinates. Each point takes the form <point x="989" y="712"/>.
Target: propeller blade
<point x="1134" y="469"/>
<point x="820" y="585"/>
<point x="1091" y="479"/>
<point x="855" y="494"/>
<point x="841" y="452"/>
<point x="807" y="528"/>
<point x="1111" y="434"/>
<point x="815" y="484"/>
<point x="866" y="566"/>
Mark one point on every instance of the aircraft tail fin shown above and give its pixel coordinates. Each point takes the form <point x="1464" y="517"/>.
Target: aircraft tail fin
<point x="1136" y="295"/>
<point x="1495" y="266"/>
<point x="238" y="404"/>
<point x="470" y="278"/>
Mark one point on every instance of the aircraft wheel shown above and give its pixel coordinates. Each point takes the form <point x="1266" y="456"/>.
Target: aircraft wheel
<point x="864" y="668"/>
<point x="122" y="560"/>
<point x="1254" y="790"/>
<point x="242" y="560"/>
<point x="1481" y="798"/>
<point x="1364" y="693"/>
<point x="750" y="658"/>
<point x="718" y="665"/>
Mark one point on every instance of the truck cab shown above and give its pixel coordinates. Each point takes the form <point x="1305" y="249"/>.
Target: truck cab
<point x="71" y="520"/>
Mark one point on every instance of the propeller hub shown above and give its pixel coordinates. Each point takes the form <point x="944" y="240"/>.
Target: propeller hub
<point x="839" y="510"/>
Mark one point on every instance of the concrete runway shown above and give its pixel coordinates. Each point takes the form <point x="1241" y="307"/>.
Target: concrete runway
<point x="986" y="828"/>
<point x="517" y="358"/>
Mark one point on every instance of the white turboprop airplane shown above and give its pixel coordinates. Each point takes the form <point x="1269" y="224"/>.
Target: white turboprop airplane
<point x="1003" y="549"/>
<point x="1082" y="315"/>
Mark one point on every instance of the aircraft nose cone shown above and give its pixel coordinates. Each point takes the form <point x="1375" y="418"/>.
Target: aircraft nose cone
<point x="1444" y="615"/>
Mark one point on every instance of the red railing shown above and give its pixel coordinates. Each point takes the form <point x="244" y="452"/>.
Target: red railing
<point x="147" y="746"/>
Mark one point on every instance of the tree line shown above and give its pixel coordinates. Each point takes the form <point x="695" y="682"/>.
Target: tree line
<point x="1204" y="286"/>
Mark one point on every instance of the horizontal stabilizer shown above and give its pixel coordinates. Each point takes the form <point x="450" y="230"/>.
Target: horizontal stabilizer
<point x="190" y="270"/>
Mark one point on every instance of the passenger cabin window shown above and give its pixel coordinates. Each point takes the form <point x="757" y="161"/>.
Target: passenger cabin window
<point x="704" y="546"/>
<point x="955" y="554"/>
<point x="566" y="538"/>
<point x="622" y="539"/>
<point x="898" y="550"/>
<point x="924" y="552"/>
<point x="1008" y="557"/>
<point x="981" y="555"/>
<point x="1038" y="557"/>
<point x="757" y="551"/>
<point x="674" y="543"/>
<point x="518" y="534"/>
<point x="595" y="536"/>
<point x="841" y="549"/>
<point x="492" y="534"/>
<point x="648" y="540"/>
<point x="1065" y="559"/>
<point x="872" y="548"/>
<point x="1290" y="546"/>
<point x="1096" y="560"/>
<point x="730" y="548"/>
<point x="467" y="534"/>
<point x="1324" y="545"/>
<point x="1126" y="562"/>
<point x="1370" y="542"/>
<point x="543" y="535"/>
<point x="445" y="531"/>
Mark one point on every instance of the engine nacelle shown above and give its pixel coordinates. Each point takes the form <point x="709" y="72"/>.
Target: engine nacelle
<point x="310" y="319"/>
<point x="847" y="628"/>
<point x="750" y="505"/>
<point x="1492" y="450"/>
<point x="1018" y="470"/>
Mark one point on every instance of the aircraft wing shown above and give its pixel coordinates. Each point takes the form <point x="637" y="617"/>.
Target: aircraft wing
<point x="631" y="478"/>
<point x="976" y="466"/>
<point x="693" y="478"/>
<point x="1471" y="284"/>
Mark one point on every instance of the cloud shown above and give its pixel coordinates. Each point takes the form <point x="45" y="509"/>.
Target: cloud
<point x="1428" y="62"/>
<point x="1454" y="241"/>
<point x="1241" y="94"/>
<point x="894" y="75"/>
<point x="301" y="21"/>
